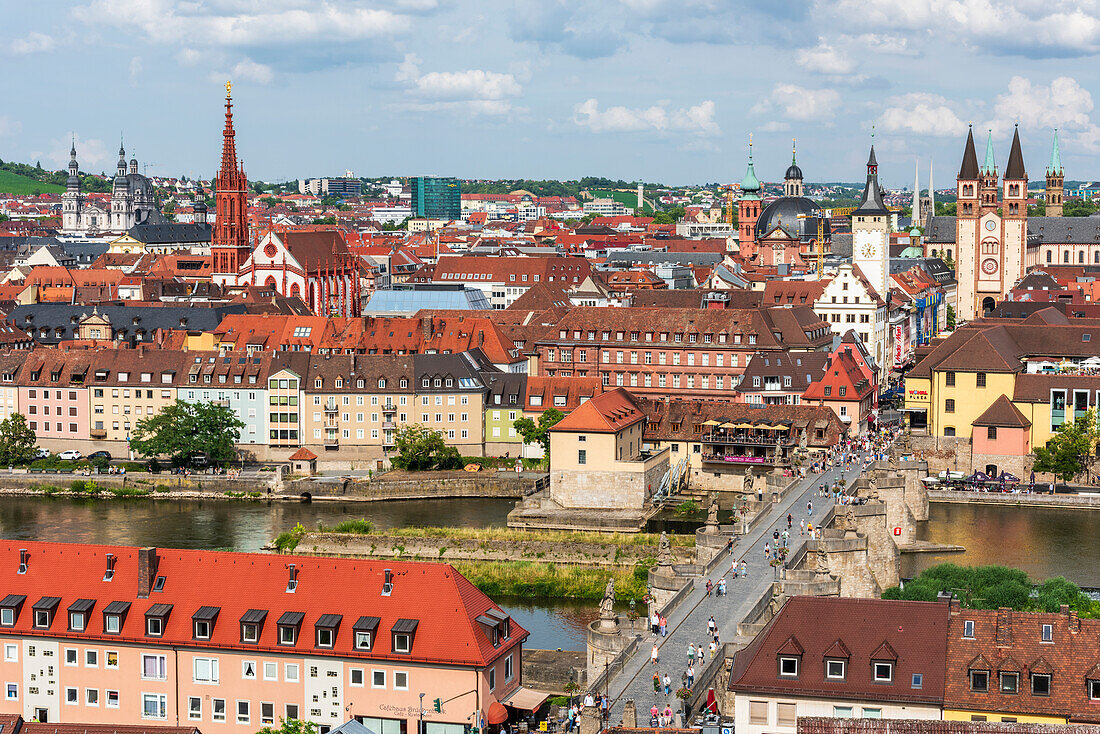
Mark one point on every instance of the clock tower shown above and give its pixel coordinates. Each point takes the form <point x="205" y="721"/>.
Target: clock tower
<point x="871" y="232"/>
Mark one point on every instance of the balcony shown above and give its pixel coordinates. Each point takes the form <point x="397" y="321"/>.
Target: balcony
<point x="332" y="443"/>
<point x="747" y="438"/>
<point x="98" y="433"/>
<point x="331" y="408"/>
<point x="731" y="458"/>
<point x="388" y="425"/>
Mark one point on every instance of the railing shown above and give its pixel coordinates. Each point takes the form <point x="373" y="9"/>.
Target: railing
<point x="706" y="676"/>
<point x="388" y="424"/>
<point x="746" y="440"/>
<point x="331" y="408"/>
<point x="614" y="666"/>
<point x="731" y="459"/>
<point x="677" y="598"/>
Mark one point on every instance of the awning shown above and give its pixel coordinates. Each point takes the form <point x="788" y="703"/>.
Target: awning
<point x="728" y="425"/>
<point x="497" y="714"/>
<point x="780" y="427"/>
<point x="525" y="699"/>
<point x="710" y="423"/>
<point x="744" y="425"/>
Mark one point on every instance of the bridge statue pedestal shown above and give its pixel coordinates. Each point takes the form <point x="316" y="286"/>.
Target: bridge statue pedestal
<point x="603" y="644"/>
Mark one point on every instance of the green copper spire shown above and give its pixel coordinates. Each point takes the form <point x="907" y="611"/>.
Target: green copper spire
<point x="1055" y="156"/>
<point x="990" y="164"/>
<point x="750" y="184"/>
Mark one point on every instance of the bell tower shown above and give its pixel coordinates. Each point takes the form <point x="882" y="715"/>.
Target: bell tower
<point x="748" y="209"/>
<point x="1055" y="179"/>
<point x="792" y="180"/>
<point x="871" y="232"/>
<point x="987" y="180"/>
<point x="230" y="239"/>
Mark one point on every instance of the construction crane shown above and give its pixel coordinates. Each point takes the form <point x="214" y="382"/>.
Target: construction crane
<point x="820" y="242"/>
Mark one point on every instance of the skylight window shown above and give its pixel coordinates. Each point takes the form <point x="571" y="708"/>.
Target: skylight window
<point x="302" y="331"/>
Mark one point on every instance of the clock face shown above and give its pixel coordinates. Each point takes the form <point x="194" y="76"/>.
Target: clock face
<point x="990" y="225"/>
<point x="989" y="266"/>
<point x="868" y="250"/>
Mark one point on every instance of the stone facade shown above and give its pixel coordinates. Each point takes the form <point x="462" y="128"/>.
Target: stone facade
<point x="627" y="487"/>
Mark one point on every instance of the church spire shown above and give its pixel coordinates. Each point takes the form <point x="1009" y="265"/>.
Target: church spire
<point x="750" y="184"/>
<point x="990" y="166"/>
<point x="1015" y="171"/>
<point x="871" y="203"/>
<point x="915" y="218"/>
<point x="229" y="245"/>
<point x="73" y="184"/>
<point x="968" y="171"/>
<point x="1055" y="156"/>
<point x="792" y="179"/>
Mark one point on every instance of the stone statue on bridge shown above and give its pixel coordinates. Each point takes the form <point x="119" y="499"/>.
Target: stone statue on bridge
<point x="821" y="565"/>
<point x="872" y="488"/>
<point x="712" y="514"/>
<point x="847" y="522"/>
<point x="607" y="604"/>
<point x="747" y="485"/>
<point x="777" y="601"/>
<point x="664" y="553"/>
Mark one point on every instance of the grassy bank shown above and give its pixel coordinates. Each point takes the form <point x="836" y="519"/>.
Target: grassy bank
<point x="547" y="580"/>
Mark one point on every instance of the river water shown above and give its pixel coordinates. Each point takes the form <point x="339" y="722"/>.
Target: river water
<point x="247" y="526"/>
<point x="1044" y="542"/>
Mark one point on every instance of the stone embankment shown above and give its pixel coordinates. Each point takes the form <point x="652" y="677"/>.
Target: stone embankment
<point x="1077" y="501"/>
<point x="398" y="485"/>
<point x="443" y="547"/>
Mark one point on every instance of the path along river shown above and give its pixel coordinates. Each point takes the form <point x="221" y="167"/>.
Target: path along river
<point x="1043" y="542"/>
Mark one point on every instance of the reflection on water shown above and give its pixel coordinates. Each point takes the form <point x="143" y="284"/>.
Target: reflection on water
<point x="1044" y="542"/>
<point x="243" y="526"/>
<point x="562" y="624"/>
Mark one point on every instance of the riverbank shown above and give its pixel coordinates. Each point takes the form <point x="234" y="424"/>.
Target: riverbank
<point x="1080" y="501"/>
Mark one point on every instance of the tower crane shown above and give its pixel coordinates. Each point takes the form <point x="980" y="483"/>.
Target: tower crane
<point x="820" y="242"/>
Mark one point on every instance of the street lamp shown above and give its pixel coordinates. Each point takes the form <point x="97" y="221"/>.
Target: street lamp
<point x="420" y="729"/>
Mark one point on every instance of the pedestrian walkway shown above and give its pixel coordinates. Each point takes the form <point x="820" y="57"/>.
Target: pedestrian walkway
<point x="688" y="622"/>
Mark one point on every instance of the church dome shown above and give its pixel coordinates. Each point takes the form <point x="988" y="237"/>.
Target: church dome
<point x="793" y="171"/>
<point x="783" y="213"/>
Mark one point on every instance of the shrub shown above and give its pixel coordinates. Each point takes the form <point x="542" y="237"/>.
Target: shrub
<point x="686" y="508"/>
<point x="129" y="491"/>
<point x="85" y="486"/>
<point x="288" y="541"/>
<point x="354" y="527"/>
<point x="162" y="488"/>
<point x="133" y="467"/>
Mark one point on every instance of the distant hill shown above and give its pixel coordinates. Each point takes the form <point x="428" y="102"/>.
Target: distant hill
<point x="13" y="183"/>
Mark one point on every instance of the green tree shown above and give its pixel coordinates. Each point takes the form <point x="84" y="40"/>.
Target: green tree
<point x="945" y="208"/>
<point x="17" y="441"/>
<point x="1068" y="451"/>
<point x="324" y="220"/>
<point x="169" y="211"/>
<point x="290" y="726"/>
<point x="539" y="432"/>
<point x="420" y="448"/>
<point x="269" y="201"/>
<point x="950" y="317"/>
<point x="1078" y="208"/>
<point x="181" y="430"/>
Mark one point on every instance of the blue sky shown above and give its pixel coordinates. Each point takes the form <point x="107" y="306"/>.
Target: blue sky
<point x="660" y="90"/>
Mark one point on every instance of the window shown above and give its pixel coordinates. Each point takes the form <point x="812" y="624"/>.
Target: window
<point x="378" y="679"/>
<point x="243" y="712"/>
<point x="1048" y="633"/>
<point x="248" y="669"/>
<point x="1010" y="682"/>
<point x="508" y="669"/>
<point x="72" y="696"/>
<point x="287" y="634"/>
<point x="918" y="680"/>
<point x="968" y="629"/>
<point x="786" y="714"/>
<point x="950" y="379"/>
<point x="1093" y="686"/>
<point x="979" y="680"/>
<point x="91" y="696"/>
<point x="111" y="662"/>
<point x="872" y="713"/>
<point x="202" y="629"/>
<point x="205" y="670"/>
<point x="758" y="712"/>
<point x="401" y="680"/>
<point x="267" y="712"/>
<point x="154" y="706"/>
<point x="324" y="637"/>
<point x="582" y="456"/>
<point x="1040" y="684"/>
<point x="949" y="431"/>
<point x="70" y="656"/>
<point x="112" y="699"/>
<point x="291" y="711"/>
<point x="11" y="653"/>
<point x="290" y="672"/>
<point x="7" y="617"/>
<point x="112" y="623"/>
<point x="362" y="640"/>
<point x="250" y="632"/>
<point x="271" y="671"/>
<point x="949" y="405"/>
<point x="834" y="669"/>
<point x="154" y="667"/>
<point x="991" y="433"/>
<point x="492" y="678"/>
<point x="91" y="658"/>
<point x="217" y="709"/>
<point x="194" y="708"/>
<point x="884" y="672"/>
<point x="842" y="712"/>
<point x="356" y="676"/>
<point x="76" y="621"/>
<point x="12" y="691"/>
<point x="401" y="643"/>
<point x="788" y="667"/>
<point x="980" y="379"/>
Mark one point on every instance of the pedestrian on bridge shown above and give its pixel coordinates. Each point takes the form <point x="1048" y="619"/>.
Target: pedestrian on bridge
<point x="801" y="527"/>
<point x="691" y="653"/>
<point x="744" y="568"/>
<point x="809" y="507"/>
<point x="668" y="685"/>
<point x="656" y="682"/>
<point x="711" y="625"/>
<point x="653" y="656"/>
<point x="722" y="586"/>
<point x="790" y="520"/>
<point x="767" y="550"/>
<point x="691" y="676"/>
<point x="654" y="621"/>
<point x="664" y="626"/>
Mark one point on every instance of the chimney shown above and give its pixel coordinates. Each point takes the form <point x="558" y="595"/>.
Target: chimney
<point x="141" y="351"/>
<point x="1074" y="622"/>
<point x="387" y="584"/>
<point x="1004" y="627"/>
<point x="147" y="571"/>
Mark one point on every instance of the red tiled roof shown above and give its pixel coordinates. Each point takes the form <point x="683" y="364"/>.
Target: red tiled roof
<point x="608" y="412"/>
<point x="444" y="604"/>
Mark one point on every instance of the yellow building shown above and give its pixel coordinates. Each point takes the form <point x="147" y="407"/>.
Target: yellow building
<point x="126" y="386"/>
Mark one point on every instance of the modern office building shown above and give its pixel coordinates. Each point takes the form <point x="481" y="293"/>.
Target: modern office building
<point x="436" y="198"/>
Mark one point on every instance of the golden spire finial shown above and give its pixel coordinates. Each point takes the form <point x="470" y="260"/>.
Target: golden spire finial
<point x="228" y="90"/>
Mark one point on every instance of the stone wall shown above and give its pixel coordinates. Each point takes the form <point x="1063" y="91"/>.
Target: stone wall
<point x="848" y="560"/>
<point x="606" y="490"/>
<point x="402" y="486"/>
<point x="443" y="548"/>
<point x="883" y="556"/>
<point x="956" y="454"/>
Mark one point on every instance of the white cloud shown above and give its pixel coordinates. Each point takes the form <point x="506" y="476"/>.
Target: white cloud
<point x="1024" y="27"/>
<point x="135" y="70"/>
<point x="249" y="70"/>
<point x="1064" y="103"/>
<point x="9" y="126"/>
<point x="32" y="43"/>
<point x="825" y="59"/>
<point x="799" y="103"/>
<point x="91" y="153"/>
<point x="696" y="119"/>
<point x="775" y="126"/>
<point x="921" y="114"/>
<point x="244" y="23"/>
<point x="883" y="43"/>
<point x="479" y="91"/>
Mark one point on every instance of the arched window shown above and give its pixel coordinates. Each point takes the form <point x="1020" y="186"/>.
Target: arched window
<point x="1081" y="257"/>
<point x="270" y="282"/>
<point x="295" y="290"/>
<point x="1065" y="257"/>
<point x="988" y="304"/>
<point x="1050" y="256"/>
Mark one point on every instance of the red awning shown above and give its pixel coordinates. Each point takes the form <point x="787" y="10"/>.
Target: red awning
<point x="497" y="713"/>
<point x="712" y="703"/>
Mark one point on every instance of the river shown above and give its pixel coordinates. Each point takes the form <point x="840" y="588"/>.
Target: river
<point x="1044" y="542"/>
<point x="247" y="526"/>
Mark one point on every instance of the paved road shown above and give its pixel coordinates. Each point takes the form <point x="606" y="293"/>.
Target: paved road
<point x="688" y="622"/>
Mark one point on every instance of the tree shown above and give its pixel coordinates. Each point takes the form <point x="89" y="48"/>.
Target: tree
<point x="1076" y="207"/>
<point x="17" y="441"/>
<point x="169" y="211"/>
<point x="324" y="220"/>
<point x="1068" y="450"/>
<point x="420" y="449"/>
<point x="950" y="317"/>
<point x="291" y="726"/>
<point x="182" y="430"/>
<point x="539" y="433"/>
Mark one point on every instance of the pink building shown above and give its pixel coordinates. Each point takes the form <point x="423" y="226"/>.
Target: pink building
<point x="53" y="393"/>
<point x="232" y="642"/>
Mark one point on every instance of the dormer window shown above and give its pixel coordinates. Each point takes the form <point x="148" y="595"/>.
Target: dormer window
<point x="156" y="618"/>
<point x="44" y="610"/>
<point x="325" y="629"/>
<point x="788" y="667"/>
<point x="288" y="625"/>
<point x="365" y="629"/>
<point x="9" y="609"/>
<point x="835" y="669"/>
<point x="251" y="624"/>
<point x="883" y="672"/>
<point x="114" y="614"/>
<point x="403" y="631"/>
<point x="968" y="629"/>
<point x="202" y="622"/>
<point x="78" y="614"/>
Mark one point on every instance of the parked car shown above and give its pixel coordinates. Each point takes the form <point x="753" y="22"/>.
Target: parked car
<point x="71" y="455"/>
<point x="199" y="460"/>
<point x="42" y="454"/>
<point x="99" y="455"/>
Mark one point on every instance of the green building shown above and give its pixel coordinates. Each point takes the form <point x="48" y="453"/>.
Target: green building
<point x="436" y="198"/>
